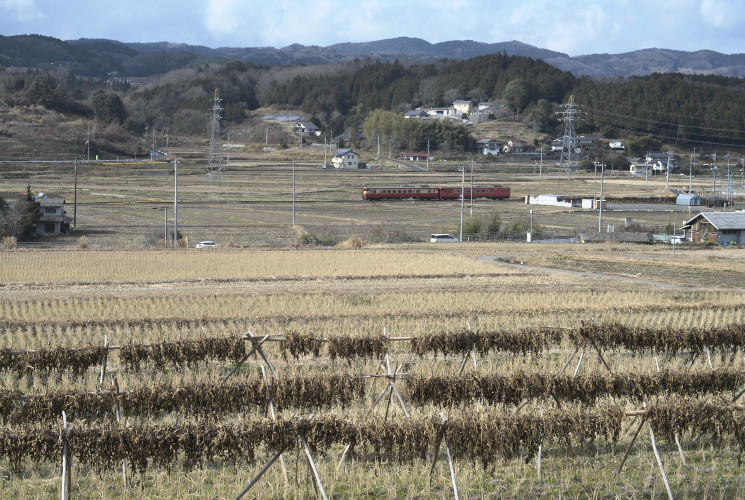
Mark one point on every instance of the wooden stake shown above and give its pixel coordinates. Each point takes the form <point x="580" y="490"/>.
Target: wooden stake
<point x="262" y="353"/>
<point x="66" y="465"/>
<point x="450" y="460"/>
<point x="579" y="363"/>
<point x="436" y="453"/>
<point x="119" y="421"/>
<point x="258" y="476"/>
<point x="104" y="359"/>
<point x="570" y="359"/>
<point x="659" y="462"/>
<point x="633" y="440"/>
<point x="680" y="449"/>
<point x="343" y="455"/>
<point x="274" y="417"/>
<point x="312" y="464"/>
<point x="245" y="358"/>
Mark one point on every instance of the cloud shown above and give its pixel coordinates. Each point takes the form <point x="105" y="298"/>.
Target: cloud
<point x="22" y="10"/>
<point x="222" y="18"/>
<point x="722" y="14"/>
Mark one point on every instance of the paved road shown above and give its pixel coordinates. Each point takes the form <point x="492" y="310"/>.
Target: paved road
<point x="503" y="260"/>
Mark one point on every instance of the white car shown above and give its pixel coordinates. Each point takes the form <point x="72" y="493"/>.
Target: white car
<point x="677" y="239"/>
<point x="443" y="238"/>
<point x="206" y="244"/>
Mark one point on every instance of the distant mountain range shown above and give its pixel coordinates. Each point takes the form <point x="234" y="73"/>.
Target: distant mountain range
<point x="95" y="57"/>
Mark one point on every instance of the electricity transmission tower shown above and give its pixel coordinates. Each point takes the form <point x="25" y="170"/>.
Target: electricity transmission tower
<point x="215" y="167"/>
<point x="569" y="154"/>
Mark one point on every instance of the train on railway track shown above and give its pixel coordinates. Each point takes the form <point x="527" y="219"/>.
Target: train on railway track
<point x="434" y="192"/>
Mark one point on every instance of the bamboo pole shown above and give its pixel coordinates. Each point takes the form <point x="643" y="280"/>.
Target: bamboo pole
<point x="258" y="476"/>
<point x="313" y="467"/>
<point x="66" y="460"/>
<point x="659" y="462"/>
<point x="453" y="478"/>
<point x="119" y="418"/>
<point x="104" y="359"/>
<point x="631" y="445"/>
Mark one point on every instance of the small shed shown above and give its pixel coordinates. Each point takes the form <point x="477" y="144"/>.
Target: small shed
<point x="689" y="199"/>
<point x="726" y="228"/>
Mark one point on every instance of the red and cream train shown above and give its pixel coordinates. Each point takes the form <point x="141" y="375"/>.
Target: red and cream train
<point x="434" y="192"/>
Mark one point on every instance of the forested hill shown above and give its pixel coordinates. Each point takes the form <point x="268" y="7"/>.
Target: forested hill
<point x="372" y="95"/>
<point x="90" y="57"/>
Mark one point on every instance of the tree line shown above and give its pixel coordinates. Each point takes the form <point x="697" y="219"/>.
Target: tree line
<point x="367" y="98"/>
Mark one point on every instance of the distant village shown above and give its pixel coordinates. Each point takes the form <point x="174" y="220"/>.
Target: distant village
<point x="469" y="113"/>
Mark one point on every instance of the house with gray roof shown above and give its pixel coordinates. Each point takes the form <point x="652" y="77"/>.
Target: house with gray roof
<point x="488" y="146"/>
<point x="307" y="128"/>
<point x="346" y="158"/>
<point x="54" y="219"/>
<point x="726" y="228"/>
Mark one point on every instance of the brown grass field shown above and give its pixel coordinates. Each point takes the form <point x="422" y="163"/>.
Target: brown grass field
<point x="262" y="279"/>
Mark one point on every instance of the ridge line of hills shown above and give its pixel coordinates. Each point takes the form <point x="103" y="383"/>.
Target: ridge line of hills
<point x="99" y="57"/>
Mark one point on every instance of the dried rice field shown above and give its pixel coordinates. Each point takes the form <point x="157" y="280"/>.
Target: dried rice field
<point x="534" y="367"/>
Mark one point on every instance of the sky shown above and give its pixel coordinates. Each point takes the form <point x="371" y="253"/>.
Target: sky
<point x="573" y="27"/>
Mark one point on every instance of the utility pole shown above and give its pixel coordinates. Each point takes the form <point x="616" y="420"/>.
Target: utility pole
<point x="75" y="197"/>
<point x="293" y="192"/>
<point x="602" y="185"/>
<point x="88" y="143"/>
<point x="427" y="155"/>
<point x="165" y="228"/>
<point x="690" y="172"/>
<point x="667" y="171"/>
<point x="462" y="198"/>
<point x="471" y="207"/>
<point x="540" y="169"/>
<point x="175" y="202"/>
<point x="227" y="154"/>
<point x="152" y="148"/>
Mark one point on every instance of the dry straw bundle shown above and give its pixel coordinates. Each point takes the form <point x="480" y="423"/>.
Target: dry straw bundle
<point x="533" y="340"/>
<point x="660" y="340"/>
<point x="183" y="352"/>
<point x="697" y="416"/>
<point x="516" y="387"/>
<point x="56" y="359"/>
<point x="483" y="436"/>
<point x="360" y="347"/>
<point x="203" y="399"/>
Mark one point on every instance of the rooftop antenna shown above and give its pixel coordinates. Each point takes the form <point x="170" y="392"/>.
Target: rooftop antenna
<point x="215" y="167"/>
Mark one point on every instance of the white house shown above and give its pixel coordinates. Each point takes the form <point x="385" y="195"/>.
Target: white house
<point x="307" y="128"/>
<point x="417" y="113"/>
<point x="641" y="169"/>
<point x="517" y="147"/>
<point x="488" y="146"/>
<point x="53" y="219"/>
<point x="449" y="111"/>
<point x="463" y="108"/>
<point x="346" y="158"/>
<point x="556" y="200"/>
